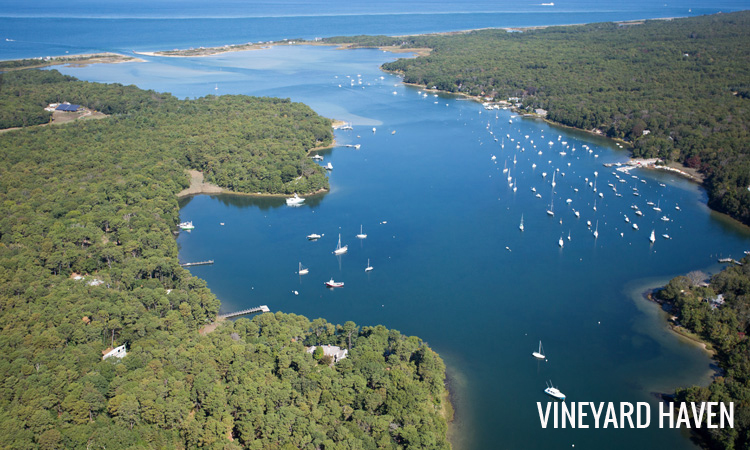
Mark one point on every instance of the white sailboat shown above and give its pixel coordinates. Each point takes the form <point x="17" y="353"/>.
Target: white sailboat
<point x="303" y="270"/>
<point x="652" y="238"/>
<point x="520" y="227"/>
<point x="551" y="210"/>
<point x="361" y="235"/>
<point x="596" y="230"/>
<point x="540" y="353"/>
<point x="560" y="242"/>
<point x="553" y="179"/>
<point x="554" y="392"/>
<point x="369" y="267"/>
<point x="339" y="249"/>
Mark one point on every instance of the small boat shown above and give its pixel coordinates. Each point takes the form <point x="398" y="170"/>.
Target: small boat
<point x="303" y="270"/>
<point x="638" y="213"/>
<point x="553" y="179"/>
<point x="568" y="235"/>
<point x="339" y="249"/>
<point x="627" y="219"/>
<point x="539" y="354"/>
<point x="577" y="213"/>
<point x="665" y="218"/>
<point x="520" y="227"/>
<point x="314" y="236"/>
<point x="329" y="166"/>
<point x="318" y="157"/>
<point x="554" y="392"/>
<point x="361" y="235"/>
<point x="560" y="242"/>
<point x="665" y="236"/>
<point x="596" y="230"/>
<point x="369" y="267"/>
<point x="334" y="284"/>
<point x="296" y="200"/>
<point x="635" y="226"/>
<point x="652" y="238"/>
<point x="186" y="225"/>
<point x="657" y="208"/>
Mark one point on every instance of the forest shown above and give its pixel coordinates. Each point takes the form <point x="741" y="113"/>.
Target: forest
<point x="724" y="326"/>
<point x="674" y="89"/>
<point x="88" y="261"/>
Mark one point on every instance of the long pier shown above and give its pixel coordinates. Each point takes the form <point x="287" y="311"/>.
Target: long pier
<point x="261" y="308"/>
<point x="199" y="263"/>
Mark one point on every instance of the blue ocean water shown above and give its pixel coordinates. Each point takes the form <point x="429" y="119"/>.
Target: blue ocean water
<point x="442" y="219"/>
<point x="37" y="29"/>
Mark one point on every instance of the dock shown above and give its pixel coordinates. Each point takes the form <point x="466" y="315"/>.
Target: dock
<point x="257" y="309"/>
<point x="730" y="261"/>
<point x="199" y="263"/>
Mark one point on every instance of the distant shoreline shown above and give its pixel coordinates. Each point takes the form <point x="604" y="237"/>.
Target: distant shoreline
<point x="81" y="60"/>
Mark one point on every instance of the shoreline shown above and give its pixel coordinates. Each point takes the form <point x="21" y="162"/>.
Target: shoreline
<point x="198" y="187"/>
<point x="81" y="60"/>
<point x="678" y="329"/>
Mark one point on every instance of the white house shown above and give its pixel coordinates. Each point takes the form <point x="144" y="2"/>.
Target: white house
<point x="337" y="353"/>
<point x="117" y="352"/>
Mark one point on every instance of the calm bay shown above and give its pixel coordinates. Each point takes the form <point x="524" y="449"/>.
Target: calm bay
<point x="450" y="263"/>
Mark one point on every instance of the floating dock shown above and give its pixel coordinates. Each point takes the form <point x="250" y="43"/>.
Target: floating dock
<point x="199" y="263"/>
<point x="257" y="309"/>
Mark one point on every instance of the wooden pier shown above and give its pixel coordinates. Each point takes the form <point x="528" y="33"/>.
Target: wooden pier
<point x="199" y="263"/>
<point x="261" y="308"/>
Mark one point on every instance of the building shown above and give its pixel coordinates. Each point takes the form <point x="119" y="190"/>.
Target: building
<point x="336" y="353"/>
<point x="67" y="107"/>
<point x="541" y="112"/>
<point x="117" y="352"/>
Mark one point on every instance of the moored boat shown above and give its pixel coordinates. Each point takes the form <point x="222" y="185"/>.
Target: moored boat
<point x="334" y="284"/>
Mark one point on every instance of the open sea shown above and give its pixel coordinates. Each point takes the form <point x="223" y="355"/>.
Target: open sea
<point x="429" y="187"/>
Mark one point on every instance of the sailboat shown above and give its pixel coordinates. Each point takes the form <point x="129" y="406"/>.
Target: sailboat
<point x="520" y="227"/>
<point x="369" y="267"/>
<point x="551" y="210"/>
<point x="303" y="270"/>
<point x="568" y="235"/>
<point x="361" y="235"/>
<point x="561" y="242"/>
<point x="553" y="179"/>
<point x="652" y="238"/>
<point x="540" y="353"/>
<point x="596" y="230"/>
<point x="339" y="249"/>
<point x="553" y="391"/>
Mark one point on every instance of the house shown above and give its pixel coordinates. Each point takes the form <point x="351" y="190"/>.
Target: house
<point x="67" y="107"/>
<point x="541" y="112"/>
<point x="336" y="353"/>
<point x="117" y="352"/>
<point x="717" y="301"/>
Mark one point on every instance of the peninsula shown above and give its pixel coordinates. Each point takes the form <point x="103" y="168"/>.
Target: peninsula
<point x="88" y="264"/>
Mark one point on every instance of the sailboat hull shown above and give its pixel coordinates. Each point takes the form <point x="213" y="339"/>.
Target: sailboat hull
<point x="537" y="355"/>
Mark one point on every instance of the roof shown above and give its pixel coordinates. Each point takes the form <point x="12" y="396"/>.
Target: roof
<point x="67" y="107"/>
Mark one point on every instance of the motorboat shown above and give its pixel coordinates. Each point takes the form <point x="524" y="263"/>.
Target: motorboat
<point x="296" y="200"/>
<point x="554" y="392"/>
<point x="334" y="284"/>
<point x="314" y="236"/>
<point x="186" y="225"/>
